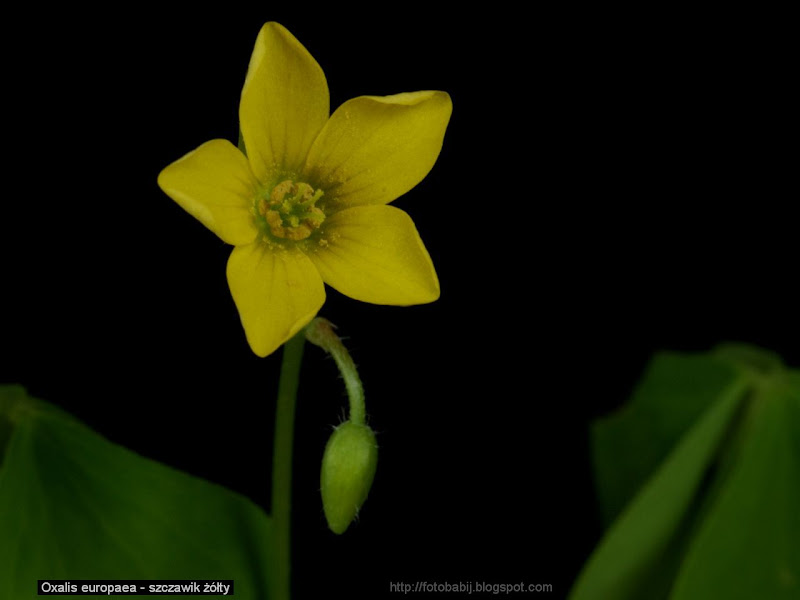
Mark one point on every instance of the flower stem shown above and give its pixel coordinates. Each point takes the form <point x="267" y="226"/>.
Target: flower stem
<point x="320" y="332"/>
<point x="282" y="464"/>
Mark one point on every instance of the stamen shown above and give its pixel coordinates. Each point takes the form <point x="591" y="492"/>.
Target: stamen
<point x="290" y="210"/>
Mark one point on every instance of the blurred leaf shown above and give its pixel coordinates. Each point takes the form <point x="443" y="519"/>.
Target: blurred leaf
<point x="757" y="360"/>
<point x="749" y="545"/>
<point x="626" y="564"/>
<point x="793" y="377"/>
<point x="75" y="506"/>
<point x="718" y="517"/>
<point x="674" y="392"/>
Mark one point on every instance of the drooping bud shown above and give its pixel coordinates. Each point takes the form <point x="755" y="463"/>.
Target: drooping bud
<point x="348" y="468"/>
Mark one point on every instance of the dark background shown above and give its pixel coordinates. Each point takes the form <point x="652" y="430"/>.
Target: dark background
<point x="610" y="185"/>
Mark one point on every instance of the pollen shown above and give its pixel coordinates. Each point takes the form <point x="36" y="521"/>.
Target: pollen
<point x="290" y="210"/>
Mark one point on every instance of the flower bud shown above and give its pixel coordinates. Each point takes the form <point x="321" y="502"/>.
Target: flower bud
<point x="348" y="468"/>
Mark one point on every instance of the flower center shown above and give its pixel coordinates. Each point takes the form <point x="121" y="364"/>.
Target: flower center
<point x="290" y="210"/>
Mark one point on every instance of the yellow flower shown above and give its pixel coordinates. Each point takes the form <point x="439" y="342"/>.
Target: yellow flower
<point x="308" y="202"/>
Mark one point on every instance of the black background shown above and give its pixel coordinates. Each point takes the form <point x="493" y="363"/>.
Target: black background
<point x="610" y="185"/>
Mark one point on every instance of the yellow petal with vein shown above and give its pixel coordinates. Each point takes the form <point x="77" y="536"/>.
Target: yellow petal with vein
<point x="277" y="292"/>
<point x="374" y="254"/>
<point x="214" y="184"/>
<point x="376" y="148"/>
<point x="284" y="104"/>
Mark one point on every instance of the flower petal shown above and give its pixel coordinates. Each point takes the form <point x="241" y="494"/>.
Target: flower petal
<point x="374" y="254"/>
<point x="374" y="149"/>
<point x="277" y="292"/>
<point x="284" y="104"/>
<point x="214" y="184"/>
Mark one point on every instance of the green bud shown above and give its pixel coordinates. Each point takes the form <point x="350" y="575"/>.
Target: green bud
<point x="348" y="468"/>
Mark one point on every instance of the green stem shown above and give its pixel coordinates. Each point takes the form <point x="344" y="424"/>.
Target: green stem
<point x="282" y="464"/>
<point x="320" y="333"/>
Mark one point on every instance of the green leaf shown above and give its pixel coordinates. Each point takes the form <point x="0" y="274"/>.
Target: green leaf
<point x="672" y="395"/>
<point x="635" y="558"/>
<point x="757" y="360"/>
<point x="749" y="545"/>
<point x="75" y="506"/>
<point x="718" y="516"/>
<point x="793" y="378"/>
